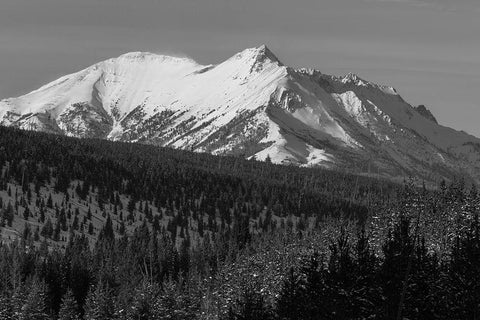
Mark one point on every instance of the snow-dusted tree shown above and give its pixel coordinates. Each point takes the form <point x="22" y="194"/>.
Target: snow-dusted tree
<point x="34" y="307"/>
<point x="268" y="159"/>
<point x="19" y="296"/>
<point x="99" y="304"/>
<point x="174" y="302"/>
<point x="142" y="306"/>
<point x="6" y="312"/>
<point x="250" y="306"/>
<point x="69" y="307"/>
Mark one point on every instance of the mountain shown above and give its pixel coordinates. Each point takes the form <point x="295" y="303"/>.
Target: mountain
<point x="251" y="105"/>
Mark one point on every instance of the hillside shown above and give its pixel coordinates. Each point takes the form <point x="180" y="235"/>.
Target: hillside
<point x="74" y="185"/>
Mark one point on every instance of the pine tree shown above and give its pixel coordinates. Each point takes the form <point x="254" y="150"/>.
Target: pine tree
<point x="56" y="232"/>
<point x="268" y="159"/>
<point x="368" y="292"/>
<point x="107" y="232"/>
<point x="75" y="223"/>
<point x="34" y="307"/>
<point x="6" y="312"/>
<point x="27" y="231"/>
<point x="290" y="303"/>
<point x="69" y="307"/>
<point x="251" y="306"/>
<point x="142" y="306"/>
<point x="175" y="303"/>
<point x="99" y="304"/>
<point x="394" y="270"/>
<point x="50" y="201"/>
<point x="42" y="214"/>
<point x="17" y="301"/>
<point x="47" y="229"/>
<point x="131" y="205"/>
<point x="26" y="213"/>
<point x="464" y="274"/>
<point x="9" y="214"/>
<point x="90" y="229"/>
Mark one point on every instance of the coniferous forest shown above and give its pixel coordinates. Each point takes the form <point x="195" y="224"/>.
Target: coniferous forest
<point x="99" y="230"/>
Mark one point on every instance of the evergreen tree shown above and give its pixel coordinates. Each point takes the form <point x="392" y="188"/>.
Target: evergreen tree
<point x="69" y="307"/>
<point x="464" y="274"/>
<point x="18" y="299"/>
<point x="251" y="306"/>
<point x="312" y="271"/>
<point x="26" y="213"/>
<point x="50" y="201"/>
<point x="99" y="304"/>
<point x="47" y="229"/>
<point x="6" y="312"/>
<point x="174" y="303"/>
<point x="56" y="232"/>
<point x="9" y="214"/>
<point x="42" y="214"/>
<point x="395" y="270"/>
<point x="27" y="231"/>
<point x="368" y="292"/>
<point x="36" y="235"/>
<point x="90" y="229"/>
<point x="34" y="307"/>
<point x="142" y="306"/>
<point x="107" y="232"/>
<point x="131" y="205"/>
<point x="290" y="304"/>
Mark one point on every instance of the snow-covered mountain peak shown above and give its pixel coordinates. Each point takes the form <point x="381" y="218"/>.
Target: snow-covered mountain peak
<point x="310" y="71"/>
<point x="265" y="53"/>
<point x="250" y="105"/>
<point x="352" y="77"/>
<point x="257" y="57"/>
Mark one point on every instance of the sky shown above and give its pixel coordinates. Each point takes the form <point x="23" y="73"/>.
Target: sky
<point x="429" y="50"/>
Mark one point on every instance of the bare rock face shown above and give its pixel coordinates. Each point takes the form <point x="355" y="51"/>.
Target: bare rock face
<point x="426" y="113"/>
<point x="251" y="105"/>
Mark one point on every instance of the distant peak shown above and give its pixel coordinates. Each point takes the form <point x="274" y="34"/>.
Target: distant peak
<point x="258" y="55"/>
<point x="351" y="77"/>
<point x="309" y="71"/>
<point x="265" y="52"/>
<point x="263" y="48"/>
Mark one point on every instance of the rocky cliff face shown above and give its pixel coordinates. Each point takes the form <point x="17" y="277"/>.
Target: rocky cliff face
<point x="426" y="113"/>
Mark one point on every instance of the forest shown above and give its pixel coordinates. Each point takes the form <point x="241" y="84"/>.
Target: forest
<point x="92" y="229"/>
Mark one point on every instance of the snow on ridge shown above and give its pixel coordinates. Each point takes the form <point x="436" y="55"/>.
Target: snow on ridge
<point x="139" y="56"/>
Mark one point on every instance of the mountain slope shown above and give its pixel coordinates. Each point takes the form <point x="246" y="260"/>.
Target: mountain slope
<point x="250" y="105"/>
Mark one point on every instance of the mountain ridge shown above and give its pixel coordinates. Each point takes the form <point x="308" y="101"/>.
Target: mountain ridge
<point x="250" y="105"/>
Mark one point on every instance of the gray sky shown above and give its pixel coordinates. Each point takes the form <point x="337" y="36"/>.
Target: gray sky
<point x="428" y="49"/>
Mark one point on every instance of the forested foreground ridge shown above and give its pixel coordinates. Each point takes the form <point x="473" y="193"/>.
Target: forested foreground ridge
<point x="93" y="229"/>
